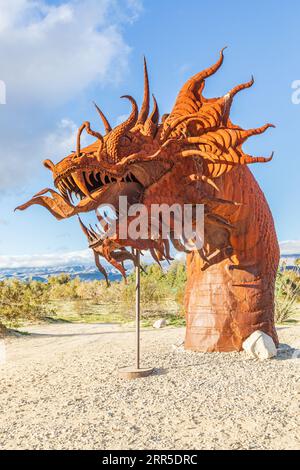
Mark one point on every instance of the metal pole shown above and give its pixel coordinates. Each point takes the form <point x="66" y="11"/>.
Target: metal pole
<point x="137" y="306"/>
<point x="137" y="371"/>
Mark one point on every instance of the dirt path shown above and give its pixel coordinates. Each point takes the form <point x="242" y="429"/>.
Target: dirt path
<point x="59" y="390"/>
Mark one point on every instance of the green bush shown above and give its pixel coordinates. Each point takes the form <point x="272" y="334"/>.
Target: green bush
<point x="287" y="293"/>
<point x="162" y="294"/>
<point x="22" y="301"/>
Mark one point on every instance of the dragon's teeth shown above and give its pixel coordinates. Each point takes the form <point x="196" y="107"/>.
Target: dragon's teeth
<point x="96" y="175"/>
<point x="88" y="178"/>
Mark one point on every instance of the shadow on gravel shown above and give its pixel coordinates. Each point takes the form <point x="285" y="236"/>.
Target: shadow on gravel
<point x="159" y="371"/>
<point x="63" y="335"/>
<point x="285" y="352"/>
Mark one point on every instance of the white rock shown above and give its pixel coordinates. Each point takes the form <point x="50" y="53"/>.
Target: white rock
<point x="179" y="346"/>
<point x="260" y="345"/>
<point x="159" y="323"/>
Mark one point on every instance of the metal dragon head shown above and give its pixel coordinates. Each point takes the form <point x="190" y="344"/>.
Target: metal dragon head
<point x="179" y="159"/>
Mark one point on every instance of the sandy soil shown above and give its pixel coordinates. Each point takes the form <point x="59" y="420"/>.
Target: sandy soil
<point x="59" y="389"/>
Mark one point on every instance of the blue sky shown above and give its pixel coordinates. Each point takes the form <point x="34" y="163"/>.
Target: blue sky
<point x="58" y="56"/>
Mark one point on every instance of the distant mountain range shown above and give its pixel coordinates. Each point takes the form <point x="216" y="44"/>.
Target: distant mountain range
<point x="290" y="258"/>
<point x="86" y="272"/>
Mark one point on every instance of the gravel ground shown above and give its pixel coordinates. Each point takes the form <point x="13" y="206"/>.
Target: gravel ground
<point x="59" y="389"/>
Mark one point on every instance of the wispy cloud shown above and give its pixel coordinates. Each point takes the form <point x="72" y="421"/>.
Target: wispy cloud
<point x="47" y="260"/>
<point x="86" y="257"/>
<point x="63" y="138"/>
<point x="52" y="52"/>
<point x="290" y="247"/>
<point x="49" y="55"/>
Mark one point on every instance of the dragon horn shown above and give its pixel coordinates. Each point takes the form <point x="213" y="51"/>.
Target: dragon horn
<point x="191" y="90"/>
<point x="154" y="116"/>
<point x="49" y="164"/>
<point x="107" y="126"/>
<point x="249" y="132"/>
<point x="145" y="106"/>
<point x="211" y="70"/>
<point x="151" y="123"/>
<point x="247" y="159"/>
<point x="241" y="87"/>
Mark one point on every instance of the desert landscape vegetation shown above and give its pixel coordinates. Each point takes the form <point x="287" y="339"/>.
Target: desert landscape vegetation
<point x="63" y="299"/>
<point x="65" y="340"/>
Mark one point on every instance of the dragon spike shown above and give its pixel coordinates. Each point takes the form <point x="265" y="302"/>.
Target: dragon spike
<point x="219" y="220"/>
<point x="228" y="98"/>
<point x="101" y="268"/>
<point x="200" y="76"/>
<point x="214" y="68"/>
<point x="100" y="218"/>
<point x="241" y="87"/>
<point x="78" y="139"/>
<point x="247" y="159"/>
<point x="100" y="147"/>
<point x="210" y="182"/>
<point x="84" y="229"/>
<point x="143" y="114"/>
<point x="192" y="89"/>
<point x="154" y="116"/>
<point x="104" y="223"/>
<point x="107" y="126"/>
<point x="86" y="125"/>
<point x="259" y="130"/>
<point x="151" y="123"/>
<point x="154" y="255"/>
<point x="113" y="139"/>
<point x="93" y="231"/>
<point x="49" y="164"/>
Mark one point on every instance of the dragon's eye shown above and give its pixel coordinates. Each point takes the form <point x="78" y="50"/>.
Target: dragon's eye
<point x="125" y="140"/>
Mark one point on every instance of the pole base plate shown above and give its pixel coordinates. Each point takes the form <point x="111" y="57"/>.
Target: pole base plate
<point x="132" y="372"/>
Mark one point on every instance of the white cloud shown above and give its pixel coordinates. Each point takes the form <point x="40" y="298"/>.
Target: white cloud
<point x="46" y="260"/>
<point x="49" y="53"/>
<point x="289" y="247"/>
<point x="86" y="257"/>
<point x="63" y="140"/>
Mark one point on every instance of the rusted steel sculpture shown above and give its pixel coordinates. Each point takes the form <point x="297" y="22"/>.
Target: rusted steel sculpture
<point x="193" y="156"/>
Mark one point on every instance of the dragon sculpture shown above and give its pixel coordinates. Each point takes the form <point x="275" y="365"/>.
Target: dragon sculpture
<point x="192" y="156"/>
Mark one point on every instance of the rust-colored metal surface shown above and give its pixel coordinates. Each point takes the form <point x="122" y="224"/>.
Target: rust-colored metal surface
<point x="192" y="156"/>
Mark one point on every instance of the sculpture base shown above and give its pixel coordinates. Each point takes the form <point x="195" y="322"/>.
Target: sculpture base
<point x="225" y="306"/>
<point x="132" y="372"/>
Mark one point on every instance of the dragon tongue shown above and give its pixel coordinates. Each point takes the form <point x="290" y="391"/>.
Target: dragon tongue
<point x="80" y="182"/>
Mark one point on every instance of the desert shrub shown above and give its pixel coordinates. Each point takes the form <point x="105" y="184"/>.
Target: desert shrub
<point x="287" y="292"/>
<point x="22" y="301"/>
<point x="62" y="287"/>
<point x="157" y="287"/>
<point x="88" y="290"/>
<point x="160" y="293"/>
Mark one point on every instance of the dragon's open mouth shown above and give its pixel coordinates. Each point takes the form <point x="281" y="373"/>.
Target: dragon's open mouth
<point x="86" y="183"/>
